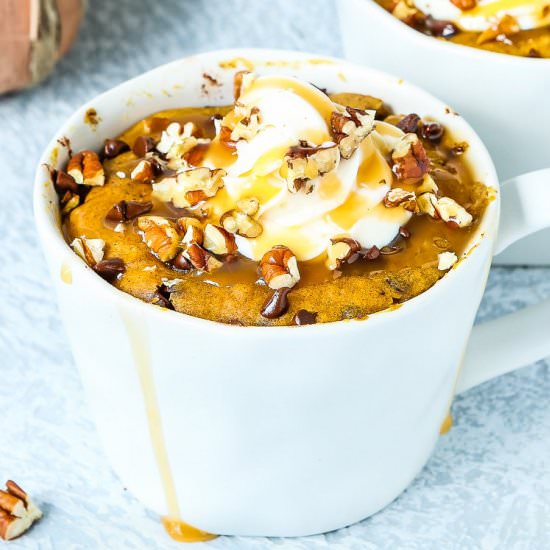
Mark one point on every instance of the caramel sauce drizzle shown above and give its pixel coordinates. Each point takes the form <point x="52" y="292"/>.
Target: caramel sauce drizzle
<point x="446" y="425"/>
<point x="139" y="344"/>
<point x="65" y="273"/>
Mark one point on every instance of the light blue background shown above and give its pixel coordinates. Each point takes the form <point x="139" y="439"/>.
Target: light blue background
<point x="488" y="483"/>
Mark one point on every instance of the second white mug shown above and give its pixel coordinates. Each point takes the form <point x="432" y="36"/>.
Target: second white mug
<point x="504" y="97"/>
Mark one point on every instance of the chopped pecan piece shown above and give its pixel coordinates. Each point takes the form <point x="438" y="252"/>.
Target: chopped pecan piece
<point x="428" y="185"/>
<point x="69" y="202"/>
<point x="305" y="163"/>
<point x="342" y="251"/>
<point x="184" y="223"/>
<point x="86" y="168"/>
<point x="501" y="31"/>
<point x="195" y="156"/>
<point x="241" y="81"/>
<point x="200" y="258"/>
<point x="401" y="197"/>
<point x="409" y="158"/>
<point x="444" y="208"/>
<point x="177" y="142"/>
<point x="124" y="211"/>
<point x="17" y="511"/>
<point x="446" y="260"/>
<point x="236" y="221"/>
<point x="453" y="213"/>
<point x="183" y="188"/>
<point x="218" y="240"/>
<point x="361" y="101"/>
<point x="160" y="235"/>
<point x="465" y="5"/>
<point x="248" y="206"/>
<point x="279" y="268"/>
<point x="248" y="125"/>
<point x="90" y="250"/>
<point x="350" y="127"/>
<point x="144" y="171"/>
<point x="193" y="233"/>
<point x="427" y="204"/>
<point x="405" y="11"/>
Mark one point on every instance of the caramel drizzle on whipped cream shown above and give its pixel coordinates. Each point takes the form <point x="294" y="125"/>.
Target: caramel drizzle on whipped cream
<point x="286" y="144"/>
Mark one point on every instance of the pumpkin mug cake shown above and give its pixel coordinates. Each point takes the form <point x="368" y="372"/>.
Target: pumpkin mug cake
<point x="513" y="27"/>
<point x="292" y="206"/>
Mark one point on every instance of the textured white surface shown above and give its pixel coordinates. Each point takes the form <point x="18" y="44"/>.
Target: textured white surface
<point x="488" y="483"/>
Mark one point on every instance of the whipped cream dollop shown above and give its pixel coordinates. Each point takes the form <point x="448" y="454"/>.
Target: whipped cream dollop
<point x="345" y="201"/>
<point x="487" y="13"/>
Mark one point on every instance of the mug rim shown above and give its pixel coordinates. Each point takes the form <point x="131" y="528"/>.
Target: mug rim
<point x="50" y="231"/>
<point x="459" y="49"/>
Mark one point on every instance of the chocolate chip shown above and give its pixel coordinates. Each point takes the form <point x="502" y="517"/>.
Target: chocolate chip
<point x="404" y="232"/>
<point x="409" y="124"/>
<point x="371" y="253"/>
<point x="181" y="262"/>
<point x="162" y="297"/>
<point x="276" y="305"/>
<point x="64" y="182"/>
<point x="304" y="317"/>
<point x="143" y="145"/>
<point x="431" y="131"/>
<point x="124" y="211"/>
<point x="157" y="167"/>
<point x="439" y="27"/>
<point x="110" y="269"/>
<point x="136" y="208"/>
<point x="534" y="53"/>
<point x="117" y="212"/>
<point x="159" y="300"/>
<point x="114" y="147"/>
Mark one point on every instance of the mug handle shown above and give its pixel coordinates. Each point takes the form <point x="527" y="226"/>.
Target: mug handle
<point x="515" y="340"/>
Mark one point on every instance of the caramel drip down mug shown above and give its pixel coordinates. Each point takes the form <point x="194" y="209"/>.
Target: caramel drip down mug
<point x="281" y="431"/>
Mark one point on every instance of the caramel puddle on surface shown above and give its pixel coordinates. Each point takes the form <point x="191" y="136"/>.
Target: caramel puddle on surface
<point x="65" y="273"/>
<point x="446" y="425"/>
<point x="139" y="344"/>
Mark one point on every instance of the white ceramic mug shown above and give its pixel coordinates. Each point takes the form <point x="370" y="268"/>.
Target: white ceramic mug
<point x="280" y="431"/>
<point x="504" y="97"/>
